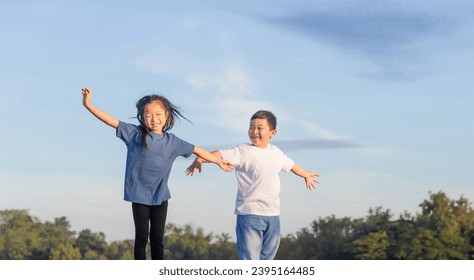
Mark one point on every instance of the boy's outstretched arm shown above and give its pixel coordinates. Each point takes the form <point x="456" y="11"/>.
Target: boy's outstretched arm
<point x="205" y="156"/>
<point x="197" y="163"/>
<point x="101" y="115"/>
<point x="308" y="176"/>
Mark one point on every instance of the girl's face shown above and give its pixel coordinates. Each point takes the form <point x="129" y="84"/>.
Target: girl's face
<point x="260" y="133"/>
<point x="155" y="116"/>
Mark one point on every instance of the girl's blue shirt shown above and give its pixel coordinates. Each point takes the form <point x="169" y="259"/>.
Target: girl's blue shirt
<point x="147" y="170"/>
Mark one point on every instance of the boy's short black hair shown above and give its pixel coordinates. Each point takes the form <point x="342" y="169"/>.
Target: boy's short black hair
<point x="269" y="116"/>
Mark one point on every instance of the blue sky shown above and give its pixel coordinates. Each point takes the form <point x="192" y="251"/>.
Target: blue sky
<point x="376" y="96"/>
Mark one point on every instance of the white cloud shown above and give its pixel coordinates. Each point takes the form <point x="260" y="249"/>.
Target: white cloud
<point x="375" y="151"/>
<point x="171" y="62"/>
<point x="229" y="80"/>
<point x="226" y="89"/>
<point x="222" y="87"/>
<point x="321" y="132"/>
<point x="189" y="23"/>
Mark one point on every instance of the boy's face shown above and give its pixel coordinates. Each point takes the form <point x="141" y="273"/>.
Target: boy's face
<point x="260" y="133"/>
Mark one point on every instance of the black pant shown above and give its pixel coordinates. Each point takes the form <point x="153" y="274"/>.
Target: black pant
<point x="149" y="219"/>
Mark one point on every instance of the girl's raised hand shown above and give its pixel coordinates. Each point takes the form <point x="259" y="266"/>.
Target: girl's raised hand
<point x="86" y="96"/>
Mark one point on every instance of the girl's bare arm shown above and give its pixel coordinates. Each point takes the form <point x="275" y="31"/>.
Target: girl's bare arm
<point x="101" y="115"/>
<point x="204" y="156"/>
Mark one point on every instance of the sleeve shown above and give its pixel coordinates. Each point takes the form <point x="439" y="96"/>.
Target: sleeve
<point x="184" y="149"/>
<point x="287" y="163"/>
<point x="233" y="155"/>
<point x="125" y="132"/>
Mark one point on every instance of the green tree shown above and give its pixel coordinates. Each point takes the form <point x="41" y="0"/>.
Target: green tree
<point x="371" y="235"/>
<point x="288" y="249"/>
<point x="401" y="233"/>
<point x="222" y="248"/>
<point x="19" y="235"/>
<point x="373" y="246"/>
<point x="92" y="246"/>
<point x="185" y="243"/>
<point x="445" y="229"/>
<point x="120" y="250"/>
<point x="65" y="252"/>
<point x="325" y="240"/>
<point x="57" y="237"/>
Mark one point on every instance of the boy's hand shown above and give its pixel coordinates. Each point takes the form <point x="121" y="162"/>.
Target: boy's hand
<point x="308" y="176"/>
<point x="311" y="181"/>
<point x="86" y="96"/>
<point x="192" y="168"/>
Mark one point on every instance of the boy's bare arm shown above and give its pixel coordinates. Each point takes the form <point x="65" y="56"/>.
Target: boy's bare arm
<point x="101" y="115"/>
<point x="306" y="175"/>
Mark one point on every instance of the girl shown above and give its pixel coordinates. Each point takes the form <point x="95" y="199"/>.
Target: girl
<point x="151" y="151"/>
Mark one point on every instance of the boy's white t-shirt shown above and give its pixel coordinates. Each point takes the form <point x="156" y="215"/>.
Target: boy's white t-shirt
<point x="258" y="182"/>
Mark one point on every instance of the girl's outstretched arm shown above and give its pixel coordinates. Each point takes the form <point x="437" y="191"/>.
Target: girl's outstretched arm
<point x="308" y="176"/>
<point x="101" y="115"/>
<point x="205" y="156"/>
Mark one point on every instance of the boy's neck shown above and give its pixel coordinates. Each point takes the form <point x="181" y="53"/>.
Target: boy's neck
<point x="261" y="146"/>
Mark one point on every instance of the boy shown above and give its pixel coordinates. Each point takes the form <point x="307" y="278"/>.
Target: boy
<point x="258" y="198"/>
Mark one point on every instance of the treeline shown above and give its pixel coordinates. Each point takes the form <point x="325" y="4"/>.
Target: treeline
<point x="444" y="229"/>
<point x="24" y="237"/>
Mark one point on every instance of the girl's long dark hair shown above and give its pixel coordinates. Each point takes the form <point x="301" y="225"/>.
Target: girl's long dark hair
<point x="174" y="113"/>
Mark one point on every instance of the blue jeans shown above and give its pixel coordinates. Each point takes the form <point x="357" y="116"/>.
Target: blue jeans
<point x="258" y="237"/>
